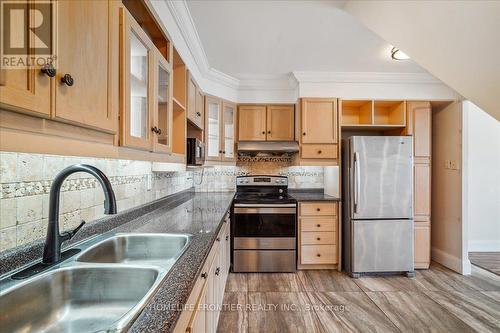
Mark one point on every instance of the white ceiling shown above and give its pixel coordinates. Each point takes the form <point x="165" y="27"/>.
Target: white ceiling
<point x="248" y="39"/>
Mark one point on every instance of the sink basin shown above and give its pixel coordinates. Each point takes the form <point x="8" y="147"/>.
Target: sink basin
<point x="77" y="299"/>
<point x="154" y="249"/>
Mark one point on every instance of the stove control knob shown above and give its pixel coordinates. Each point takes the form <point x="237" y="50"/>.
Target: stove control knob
<point x="277" y="180"/>
<point x="246" y="181"/>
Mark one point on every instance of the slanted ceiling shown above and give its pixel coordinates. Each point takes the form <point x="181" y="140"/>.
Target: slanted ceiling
<point x="456" y="41"/>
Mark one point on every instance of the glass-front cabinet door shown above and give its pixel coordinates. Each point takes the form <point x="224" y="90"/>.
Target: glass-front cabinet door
<point x="213" y="128"/>
<point x="228" y="131"/>
<point x="137" y="80"/>
<point x="162" y="122"/>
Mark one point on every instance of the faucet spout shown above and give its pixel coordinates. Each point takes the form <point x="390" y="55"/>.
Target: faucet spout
<point x="54" y="240"/>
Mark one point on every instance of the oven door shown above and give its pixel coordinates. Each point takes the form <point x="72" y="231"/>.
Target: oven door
<point x="264" y="227"/>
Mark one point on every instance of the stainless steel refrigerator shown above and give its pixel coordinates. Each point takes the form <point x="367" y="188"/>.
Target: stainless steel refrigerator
<point x="378" y="204"/>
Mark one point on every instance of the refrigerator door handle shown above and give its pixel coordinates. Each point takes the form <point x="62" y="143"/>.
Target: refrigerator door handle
<point x="357" y="181"/>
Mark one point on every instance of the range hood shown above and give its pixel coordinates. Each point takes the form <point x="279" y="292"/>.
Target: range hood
<point x="267" y="148"/>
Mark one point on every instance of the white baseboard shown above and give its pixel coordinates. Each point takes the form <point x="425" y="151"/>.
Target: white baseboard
<point x="484" y="246"/>
<point x="454" y="263"/>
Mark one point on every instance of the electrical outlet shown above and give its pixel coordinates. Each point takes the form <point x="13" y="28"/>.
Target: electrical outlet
<point x="447" y="164"/>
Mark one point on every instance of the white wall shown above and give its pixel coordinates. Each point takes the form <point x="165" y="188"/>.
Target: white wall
<point x="481" y="163"/>
<point x="448" y="229"/>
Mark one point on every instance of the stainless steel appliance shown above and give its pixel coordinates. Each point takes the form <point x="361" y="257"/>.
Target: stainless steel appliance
<point x="195" y="151"/>
<point x="378" y="204"/>
<point x="264" y="225"/>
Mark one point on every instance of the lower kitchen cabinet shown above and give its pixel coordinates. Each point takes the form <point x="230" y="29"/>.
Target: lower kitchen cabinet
<point x="201" y="314"/>
<point x="318" y="235"/>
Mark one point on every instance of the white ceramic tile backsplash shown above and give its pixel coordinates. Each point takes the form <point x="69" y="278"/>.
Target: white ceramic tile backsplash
<point x="25" y="181"/>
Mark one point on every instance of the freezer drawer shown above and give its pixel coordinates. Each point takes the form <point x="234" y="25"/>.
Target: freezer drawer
<point x="265" y="261"/>
<point x="382" y="246"/>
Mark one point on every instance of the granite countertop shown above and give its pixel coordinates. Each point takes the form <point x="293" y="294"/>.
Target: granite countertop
<point x="311" y="195"/>
<point x="198" y="214"/>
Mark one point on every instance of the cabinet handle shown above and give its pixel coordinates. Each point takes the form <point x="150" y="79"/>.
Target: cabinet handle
<point x="159" y="131"/>
<point x="49" y="70"/>
<point x="318" y="255"/>
<point x="319" y="151"/>
<point x="227" y="237"/>
<point x="198" y="113"/>
<point x="304" y="134"/>
<point x="68" y="80"/>
<point x="318" y="238"/>
<point x="217" y="271"/>
<point x="154" y="129"/>
<point x="204" y="275"/>
<point x="318" y="225"/>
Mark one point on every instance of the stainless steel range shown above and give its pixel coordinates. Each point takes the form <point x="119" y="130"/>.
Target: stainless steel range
<point x="264" y="225"/>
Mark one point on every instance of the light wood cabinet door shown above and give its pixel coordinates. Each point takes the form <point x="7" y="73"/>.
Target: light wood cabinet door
<point x="191" y="99"/>
<point x="137" y="74"/>
<point x="200" y="108"/>
<point x="26" y="90"/>
<point x="280" y="123"/>
<point x="213" y="107"/>
<point x="86" y="53"/>
<point x="422" y="195"/>
<point x="252" y="123"/>
<point x="162" y="111"/>
<point x="319" y="120"/>
<point x="228" y="131"/>
<point x="422" y="128"/>
<point x="422" y="240"/>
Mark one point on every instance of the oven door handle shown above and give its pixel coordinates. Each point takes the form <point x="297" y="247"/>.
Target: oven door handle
<point x="265" y="205"/>
<point x="264" y="210"/>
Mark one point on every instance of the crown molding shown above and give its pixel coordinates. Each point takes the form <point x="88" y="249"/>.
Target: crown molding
<point x="365" y="77"/>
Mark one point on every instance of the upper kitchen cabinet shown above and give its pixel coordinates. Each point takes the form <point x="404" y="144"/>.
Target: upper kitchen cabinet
<point x="319" y="131"/>
<point x="27" y="89"/>
<point x="266" y="122"/>
<point x="195" y="103"/>
<point x="252" y="123"/>
<point x="87" y="66"/>
<point x="220" y="130"/>
<point x="319" y="120"/>
<point x="146" y="116"/>
<point x="373" y="115"/>
<point x="83" y="87"/>
<point x="280" y="123"/>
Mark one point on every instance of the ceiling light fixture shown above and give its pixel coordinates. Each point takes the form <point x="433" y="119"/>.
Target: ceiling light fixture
<point x="397" y="54"/>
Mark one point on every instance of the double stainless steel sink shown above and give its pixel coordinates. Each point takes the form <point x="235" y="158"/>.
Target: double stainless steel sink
<point x="102" y="289"/>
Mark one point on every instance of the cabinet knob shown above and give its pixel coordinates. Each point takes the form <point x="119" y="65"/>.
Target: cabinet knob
<point x="217" y="239"/>
<point x="223" y="151"/>
<point x="268" y="132"/>
<point x="263" y="132"/>
<point x="319" y="151"/>
<point x="204" y="275"/>
<point x="318" y="255"/>
<point x="220" y="151"/>
<point x="68" y="80"/>
<point x="217" y="271"/>
<point x="318" y="238"/>
<point x="49" y="70"/>
<point x="304" y="133"/>
<point x="198" y="113"/>
<point x="155" y="130"/>
<point x="227" y="237"/>
<point x="159" y="131"/>
<point x="318" y="209"/>
<point x="318" y="225"/>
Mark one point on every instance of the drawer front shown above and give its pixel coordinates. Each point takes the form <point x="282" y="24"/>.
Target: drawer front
<point x="319" y="254"/>
<point x="319" y="151"/>
<point x="318" y="238"/>
<point x="318" y="208"/>
<point x="329" y="224"/>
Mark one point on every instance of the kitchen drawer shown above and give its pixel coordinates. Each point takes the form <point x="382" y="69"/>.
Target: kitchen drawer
<point x="318" y="224"/>
<point x="318" y="208"/>
<point x="319" y="254"/>
<point x="319" y="151"/>
<point x="318" y="238"/>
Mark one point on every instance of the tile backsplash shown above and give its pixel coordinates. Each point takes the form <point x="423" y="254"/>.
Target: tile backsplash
<point x="25" y="181"/>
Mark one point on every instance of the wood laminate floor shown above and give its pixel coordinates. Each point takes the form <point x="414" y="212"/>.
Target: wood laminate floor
<point x="487" y="260"/>
<point x="437" y="300"/>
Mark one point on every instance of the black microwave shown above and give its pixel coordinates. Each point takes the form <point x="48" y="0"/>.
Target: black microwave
<point x="195" y="151"/>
